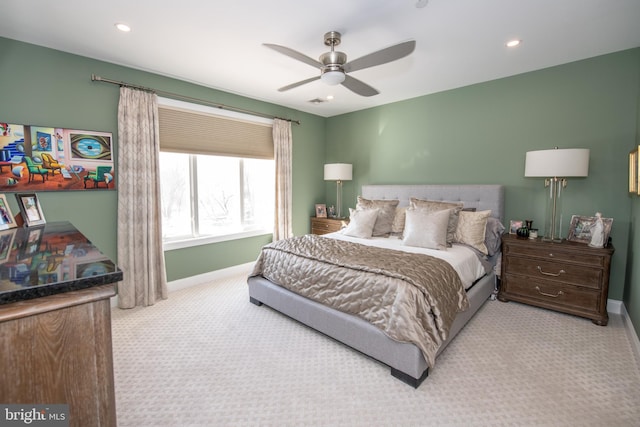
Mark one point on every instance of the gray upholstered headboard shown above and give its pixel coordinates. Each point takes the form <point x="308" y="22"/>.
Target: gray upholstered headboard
<point x="481" y="197"/>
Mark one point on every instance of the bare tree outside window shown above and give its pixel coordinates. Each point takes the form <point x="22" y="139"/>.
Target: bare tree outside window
<point x="215" y="195"/>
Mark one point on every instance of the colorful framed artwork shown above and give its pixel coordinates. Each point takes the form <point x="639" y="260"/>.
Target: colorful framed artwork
<point x="6" y="217"/>
<point x="40" y="158"/>
<point x="30" y="209"/>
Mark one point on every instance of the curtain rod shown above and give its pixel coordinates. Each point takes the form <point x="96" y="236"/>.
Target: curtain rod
<point x="95" y="78"/>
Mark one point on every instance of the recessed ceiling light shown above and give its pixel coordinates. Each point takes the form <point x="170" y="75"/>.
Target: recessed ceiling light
<point x="513" y="43"/>
<point x="123" y="27"/>
<point x="329" y="97"/>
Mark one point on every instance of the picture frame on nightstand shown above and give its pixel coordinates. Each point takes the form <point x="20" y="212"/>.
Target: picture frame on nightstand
<point x="580" y="228"/>
<point x="321" y="210"/>
<point x="514" y="225"/>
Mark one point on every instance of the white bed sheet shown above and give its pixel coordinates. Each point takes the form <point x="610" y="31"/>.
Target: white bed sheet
<point x="463" y="259"/>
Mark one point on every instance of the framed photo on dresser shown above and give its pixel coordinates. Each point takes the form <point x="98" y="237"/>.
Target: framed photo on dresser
<point x="30" y="209"/>
<point x="6" y="217"/>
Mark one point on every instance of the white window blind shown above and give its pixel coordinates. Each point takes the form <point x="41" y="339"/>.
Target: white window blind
<point x="184" y="130"/>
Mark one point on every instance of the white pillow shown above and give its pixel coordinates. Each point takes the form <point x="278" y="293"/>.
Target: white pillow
<point x="471" y="229"/>
<point x="426" y="230"/>
<point x="361" y="223"/>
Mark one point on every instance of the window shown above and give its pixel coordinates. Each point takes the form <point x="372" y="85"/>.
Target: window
<point x="209" y="198"/>
<point x="206" y="196"/>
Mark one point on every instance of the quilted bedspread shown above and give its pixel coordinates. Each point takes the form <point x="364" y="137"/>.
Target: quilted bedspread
<point x="411" y="297"/>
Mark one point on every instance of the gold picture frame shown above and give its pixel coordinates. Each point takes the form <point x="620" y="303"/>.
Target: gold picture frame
<point x="634" y="171"/>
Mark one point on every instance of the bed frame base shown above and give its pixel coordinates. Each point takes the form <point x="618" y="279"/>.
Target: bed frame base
<point x="408" y="379"/>
<point x="405" y="359"/>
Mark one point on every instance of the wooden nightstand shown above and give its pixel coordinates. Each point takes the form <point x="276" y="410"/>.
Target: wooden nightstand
<point x="327" y="225"/>
<point x="570" y="277"/>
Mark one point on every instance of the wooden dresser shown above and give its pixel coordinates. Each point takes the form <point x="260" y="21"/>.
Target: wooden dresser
<point x="570" y="277"/>
<point x="55" y="324"/>
<point x="327" y="225"/>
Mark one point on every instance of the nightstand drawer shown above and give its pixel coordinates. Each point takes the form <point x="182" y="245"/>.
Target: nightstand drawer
<point x="578" y="275"/>
<point x="326" y="225"/>
<point x="558" y="295"/>
<point x="554" y="254"/>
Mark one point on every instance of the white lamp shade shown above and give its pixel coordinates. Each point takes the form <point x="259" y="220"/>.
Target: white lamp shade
<point x="338" y="172"/>
<point x="558" y="163"/>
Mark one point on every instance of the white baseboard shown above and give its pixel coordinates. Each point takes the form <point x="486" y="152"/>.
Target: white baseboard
<point x="176" y="285"/>
<point x="187" y="282"/>
<point x="631" y="332"/>
<point x="614" y="306"/>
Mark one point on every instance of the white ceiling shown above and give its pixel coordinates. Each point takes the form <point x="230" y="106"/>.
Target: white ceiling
<point x="218" y="43"/>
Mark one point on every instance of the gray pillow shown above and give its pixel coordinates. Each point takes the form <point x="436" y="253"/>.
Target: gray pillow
<point x="426" y="230"/>
<point x="386" y="213"/>
<point x="493" y="235"/>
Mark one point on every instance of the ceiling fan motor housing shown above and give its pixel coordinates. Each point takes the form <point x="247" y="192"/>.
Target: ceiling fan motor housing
<point x="332" y="72"/>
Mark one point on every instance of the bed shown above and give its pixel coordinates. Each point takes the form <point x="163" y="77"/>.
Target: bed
<point x="407" y="360"/>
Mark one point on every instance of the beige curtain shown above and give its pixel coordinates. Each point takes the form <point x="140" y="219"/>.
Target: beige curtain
<point x="282" y="151"/>
<point x="140" y="253"/>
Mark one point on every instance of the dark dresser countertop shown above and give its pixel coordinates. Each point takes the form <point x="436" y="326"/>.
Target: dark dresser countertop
<point x="50" y="259"/>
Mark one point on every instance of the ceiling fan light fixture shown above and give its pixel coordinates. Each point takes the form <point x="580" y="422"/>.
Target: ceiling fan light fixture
<point x="332" y="77"/>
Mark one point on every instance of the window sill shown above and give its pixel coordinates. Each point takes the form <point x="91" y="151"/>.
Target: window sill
<point x="206" y="240"/>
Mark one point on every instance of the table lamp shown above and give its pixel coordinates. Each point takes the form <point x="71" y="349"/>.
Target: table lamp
<point x="555" y="166"/>
<point x="338" y="172"/>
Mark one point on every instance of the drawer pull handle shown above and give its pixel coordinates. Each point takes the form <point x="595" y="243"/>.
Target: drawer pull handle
<point x="550" y="274"/>
<point x="549" y="295"/>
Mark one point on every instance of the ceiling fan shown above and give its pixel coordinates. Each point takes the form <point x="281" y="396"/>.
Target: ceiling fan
<point x="335" y="68"/>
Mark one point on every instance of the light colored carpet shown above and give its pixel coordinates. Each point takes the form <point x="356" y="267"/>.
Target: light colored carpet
<point x="208" y="357"/>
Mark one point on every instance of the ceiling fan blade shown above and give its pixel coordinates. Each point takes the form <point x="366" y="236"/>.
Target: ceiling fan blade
<point x="358" y="87"/>
<point x="294" y="54"/>
<point x="294" y="85"/>
<point x="380" y="57"/>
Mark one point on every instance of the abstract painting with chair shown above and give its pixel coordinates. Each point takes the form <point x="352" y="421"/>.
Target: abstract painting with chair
<point x="38" y="158"/>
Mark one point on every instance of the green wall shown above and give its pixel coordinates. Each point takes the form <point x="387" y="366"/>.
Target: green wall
<point x="477" y="134"/>
<point x="480" y="134"/>
<point x="41" y="86"/>
<point x="632" y="290"/>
